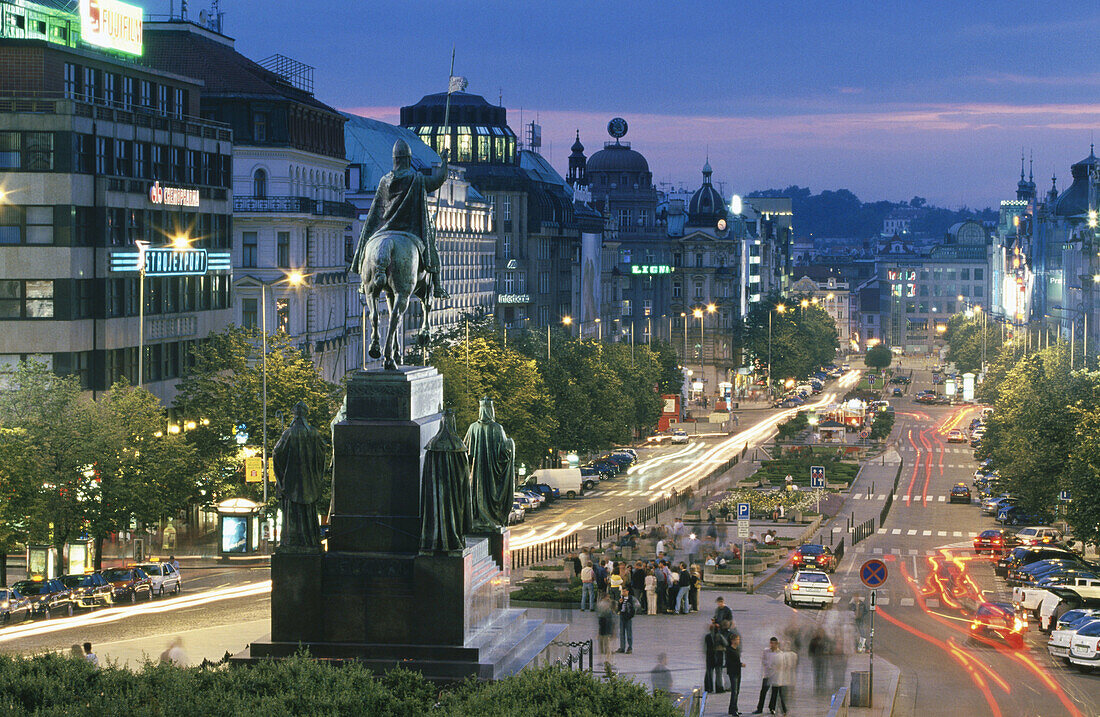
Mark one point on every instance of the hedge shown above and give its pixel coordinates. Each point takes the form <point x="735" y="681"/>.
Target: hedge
<point x="59" y="685"/>
<point x="542" y="589"/>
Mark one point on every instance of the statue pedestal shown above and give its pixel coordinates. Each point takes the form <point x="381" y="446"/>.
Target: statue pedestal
<point x="371" y="597"/>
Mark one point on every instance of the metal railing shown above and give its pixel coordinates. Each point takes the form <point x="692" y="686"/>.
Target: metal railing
<point x="863" y="530"/>
<point x="838" y="550"/>
<point x="294" y="205"/>
<point x="531" y="554"/>
<point x="583" y="648"/>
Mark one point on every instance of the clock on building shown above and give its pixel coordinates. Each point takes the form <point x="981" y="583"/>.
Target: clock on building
<point x="721" y="225"/>
<point x="617" y="127"/>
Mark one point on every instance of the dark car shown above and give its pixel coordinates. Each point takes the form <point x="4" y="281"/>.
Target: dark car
<point x="903" y="380"/>
<point x="813" y="556"/>
<point x="1024" y="574"/>
<point x="609" y="468"/>
<point x="999" y="620"/>
<point x="1016" y="515"/>
<point x="960" y="494"/>
<point x="1026" y="555"/>
<point x="549" y="492"/>
<point x="623" y="460"/>
<point x="897" y="392"/>
<point x="89" y="589"/>
<point x="994" y="540"/>
<point x="129" y="584"/>
<point x="13" y="606"/>
<point x="48" y="597"/>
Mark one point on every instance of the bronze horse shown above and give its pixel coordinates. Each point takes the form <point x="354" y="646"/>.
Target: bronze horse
<point x="391" y="263"/>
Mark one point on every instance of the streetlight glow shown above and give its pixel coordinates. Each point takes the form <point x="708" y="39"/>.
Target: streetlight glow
<point x="295" y="278"/>
<point x="697" y="313"/>
<point x="780" y="308"/>
<point x="181" y="241"/>
<point x="804" y="303"/>
<point x="567" y="320"/>
<point x="711" y="308"/>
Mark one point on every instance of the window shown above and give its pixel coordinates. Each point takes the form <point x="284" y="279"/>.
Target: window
<point x="102" y="155"/>
<point x="249" y="311"/>
<point x="91" y="82"/>
<point x="506" y="246"/>
<point x="178" y="102"/>
<point x="465" y="146"/>
<point x="647" y="306"/>
<point x="127" y="93"/>
<point x="146" y="93"/>
<point x="248" y="249"/>
<point x="964" y="274"/>
<point x="509" y="282"/>
<point x="26" y="299"/>
<point x="677" y="290"/>
<point x="979" y="275"/>
<point x="282" y="315"/>
<point x="9" y="150"/>
<point x="544" y="249"/>
<point x="521" y="283"/>
<point x="110" y="88"/>
<point x="40" y="225"/>
<point x="282" y="250"/>
<point x="624" y="219"/>
<point x="506" y="208"/>
<point x="259" y="126"/>
<point x="141" y="160"/>
<point x="626" y="307"/>
<point x="643" y="217"/>
<point x="71" y="88"/>
<point x="482" y="149"/>
<point x="677" y="259"/>
<point x="698" y="289"/>
<point x="162" y="99"/>
<point x="544" y="282"/>
<point x="698" y="258"/>
<point x="624" y="256"/>
<point x="157" y="162"/>
<point x="259" y="184"/>
<point x="122" y="166"/>
<point x="11" y="224"/>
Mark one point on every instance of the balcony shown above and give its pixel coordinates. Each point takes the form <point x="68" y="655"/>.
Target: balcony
<point x="294" y="205"/>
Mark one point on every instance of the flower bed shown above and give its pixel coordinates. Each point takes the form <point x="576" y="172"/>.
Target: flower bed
<point x="764" y="502"/>
<point x="543" y="589"/>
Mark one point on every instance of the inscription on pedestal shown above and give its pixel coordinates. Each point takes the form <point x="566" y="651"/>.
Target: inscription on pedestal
<point x="407" y="394"/>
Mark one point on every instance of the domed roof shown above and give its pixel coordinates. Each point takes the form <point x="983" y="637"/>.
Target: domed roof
<point x="706" y="206"/>
<point x="616" y="157"/>
<point x="1074" y="202"/>
<point x="577" y="146"/>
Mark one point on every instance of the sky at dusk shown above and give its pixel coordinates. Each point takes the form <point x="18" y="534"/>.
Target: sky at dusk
<point x="884" y="98"/>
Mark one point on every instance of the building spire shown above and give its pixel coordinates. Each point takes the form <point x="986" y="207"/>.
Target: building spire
<point x="1031" y="168"/>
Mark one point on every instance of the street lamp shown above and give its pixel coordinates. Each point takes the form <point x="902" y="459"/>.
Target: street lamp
<point x="599" y="329"/>
<point x="683" y="319"/>
<point x="295" y="279"/>
<point x="141" y="246"/>
<point x="780" y="308"/>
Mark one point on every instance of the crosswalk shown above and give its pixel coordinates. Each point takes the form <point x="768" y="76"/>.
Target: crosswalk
<point x="938" y="533"/>
<point x="946" y="449"/>
<point x="618" y="493"/>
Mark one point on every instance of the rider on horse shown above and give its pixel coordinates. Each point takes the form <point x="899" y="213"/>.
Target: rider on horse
<point x="401" y="204"/>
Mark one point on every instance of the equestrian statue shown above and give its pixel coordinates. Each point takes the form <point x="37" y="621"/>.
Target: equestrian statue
<point x="396" y="252"/>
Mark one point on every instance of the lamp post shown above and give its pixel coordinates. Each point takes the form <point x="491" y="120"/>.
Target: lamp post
<point x="568" y="322"/>
<point x="142" y="246"/>
<point x="294" y="278"/>
<point x="780" y="308"/>
<point x="599" y="329"/>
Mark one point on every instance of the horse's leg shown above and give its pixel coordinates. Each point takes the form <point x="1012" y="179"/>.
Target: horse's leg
<point x="375" y="349"/>
<point x="424" y="293"/>
<point x="398" y="305"/>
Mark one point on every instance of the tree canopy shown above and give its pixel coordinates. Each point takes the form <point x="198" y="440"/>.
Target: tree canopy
<point x="878" y="357"/>
<point x="796" y="335"/>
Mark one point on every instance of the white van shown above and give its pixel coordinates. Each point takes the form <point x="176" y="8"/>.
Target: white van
<point x="569" y="481"/>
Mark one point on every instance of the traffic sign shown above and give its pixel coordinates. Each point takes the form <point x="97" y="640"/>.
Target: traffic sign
<point x="817" y="476"/>
<point x="871" y="379"/>
<point x="742" y="532"/>
<point x="742" y="511"/>
<point x="865" y="433"/>
<point x="742" y="524"/>
<point x="873" y="573"/>
<point x="874" y="600"/>
<point x="1064" y="495"/>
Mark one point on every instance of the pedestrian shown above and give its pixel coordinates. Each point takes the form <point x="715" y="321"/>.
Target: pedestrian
<point x="722" y="611"/>
<point x="637" y="585"/>
<point x="601" y="577"/>
<point x="661" y="575"/>
<point x="678" y="527"/>
<point x="76" y="652"/>
<point x="605" y="627"/>
<point x="174" y="654"/>
<point x="660" y="550"/>
<point x="819" y="650"/>
<point x="673" y="588"/>
<point x="588" y="588"/>
<point x="683" y="590"/>
<point x="577" y="566"/>
<point x="660" y="676"/>
<point x="89" y="655"/>
<point x="860" y="613"/>
<point x="584" y="557"/>
<point x="733" y="663"/>
<point x="693" y="592"/>
<point x="714" y="646"/>
<point x="627" y="609"/>
<point x="786" y="663"/>
<point x="767" y="667"/>
<point x="632" y="530"/>
<point x="614" y="586"/>
<point x="650" y="592"/>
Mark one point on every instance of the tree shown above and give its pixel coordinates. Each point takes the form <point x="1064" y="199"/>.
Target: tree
<point x="964" y="340"/>
<point x="639" y="372"/>
<point x="671" y="378"/>
<point x="484" y="367"/>
<point x="878" y="357"/>
<point x="223" y="389"/>
<point x="588" y="397"/>
<point x="17" y="492"/>
<point x="799" y="340"/>
<point x="1082" y="478"/>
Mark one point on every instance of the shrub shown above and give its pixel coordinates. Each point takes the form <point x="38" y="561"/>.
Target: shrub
<point x="542" y="589"/>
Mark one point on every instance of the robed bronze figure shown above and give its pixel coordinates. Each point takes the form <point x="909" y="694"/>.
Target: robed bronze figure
<point x="445" y="492"/>
<point x="492" y="470"/>
<point x="299" y="459"/>
<point x="396" y="252"/>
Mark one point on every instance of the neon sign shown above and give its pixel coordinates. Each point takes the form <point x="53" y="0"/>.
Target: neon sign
<point x="112" y="25"/>
<point x="176" y="196"/>
<point x="171" y="262"/>
<point x="648" y="269"/>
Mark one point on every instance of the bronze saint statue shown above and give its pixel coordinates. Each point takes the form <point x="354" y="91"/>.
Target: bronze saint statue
<point x="445" y="492"/>
<point x="492" y="470"/>
<point x="299" y="459"/>
<point x="396" y="252"/>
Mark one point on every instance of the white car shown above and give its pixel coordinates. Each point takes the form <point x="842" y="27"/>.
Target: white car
<point x="1038" y="534"/>
<point x="164" y="576"/>
<point x="809" y="587"/>
<point x="679" y="436"/>
<point x="1062" y="636"/>
<point x="1076" y="593"/>
<point x="1084" y="648"/>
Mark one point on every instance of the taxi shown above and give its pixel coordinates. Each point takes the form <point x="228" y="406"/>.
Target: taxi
<point x="809" y="587"/>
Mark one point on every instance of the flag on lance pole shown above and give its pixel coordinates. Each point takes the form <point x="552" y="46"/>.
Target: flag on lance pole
<point x="457" y="84"/>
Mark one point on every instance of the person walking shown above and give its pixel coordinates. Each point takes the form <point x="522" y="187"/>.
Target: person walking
<point x="767" y="667"/>
<point x="733" y="663"/>
<point x="605" y="626"/>
<point x="601" y="577"/>
<point x="650" y="592"/>
<point x="615" y="586"/>
<point x="174" y="654"/>
<point x="683" y="591"/>
<point x="637" y="585"/>
<point x="786" y="663"/>
<point x="696" y="583"/>
<point x="819" y="650"/>
<point x="722" y="611"/>
<point x="626" y="618"/>
<point x="660" y="676"/>
<point x="588" y="588"/>
<point x="714" y="646"/>
<point x="91" y="656"/>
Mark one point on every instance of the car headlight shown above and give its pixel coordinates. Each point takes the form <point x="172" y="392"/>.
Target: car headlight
<point x="4" y="605"/>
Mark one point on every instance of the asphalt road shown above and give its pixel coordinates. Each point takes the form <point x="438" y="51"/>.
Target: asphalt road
<point x="935" y="582"/>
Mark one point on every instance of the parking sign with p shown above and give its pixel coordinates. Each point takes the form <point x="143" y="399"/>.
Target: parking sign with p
<point x="742" y="511"/>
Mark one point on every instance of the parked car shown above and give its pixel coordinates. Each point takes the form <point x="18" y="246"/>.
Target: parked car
<point x="960" y="494"/>
<point x="129" y="584"/>
<point x="994" y="541"/>
<point x="164" y="576"/>
<point x="1016" y="515"/>
<point x="48" y="597"/>
<point x="13" y="606"/>
<point x="809" y="587"/>
<point x="1061" y="638"/>
<point x="811" y="555"/>
<point x="998" y="620"/>
<point x="991" y="505"/>
<point x="1084" y="648"/>
<point x="1026" y="555"/>
<point x="516" y="515"/>
<point x="89" y="589"/>
<point x="547" y="491"/>
<point x="897" y="393"/>
<point x="1034" y="535"/>
<point x="679" y="436"/>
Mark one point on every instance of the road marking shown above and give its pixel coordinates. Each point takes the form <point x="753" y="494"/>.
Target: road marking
<point x="942" y="499"/>
<point x="895" y="531"/>
<point x="884" y="601"/>
<point x="973" y="534"/>
<point x="907" y="602"/>
<point x="927" y="532"/>
<point x="882" y="497"/>
<point x="878" y="551"/>
<point x="897" y="496"/>
<point x="957" y="534"/>
<point x="882" y="531"/>
<point x="911" y="532"/>
<point x="857" y="496"/>
<point x="930" y="602"/>
<point x="914" y="552"/>
<point x="941" y="534"/>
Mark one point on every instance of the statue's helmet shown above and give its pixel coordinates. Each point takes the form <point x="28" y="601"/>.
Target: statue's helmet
<point x="301" y="410"/>
<point x="401" y="150"/>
